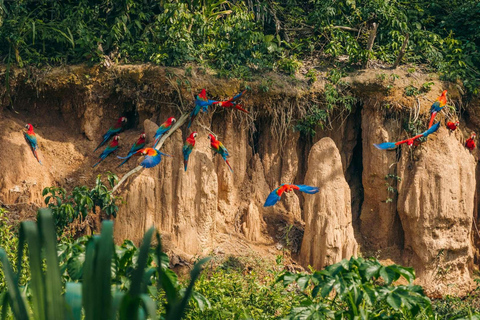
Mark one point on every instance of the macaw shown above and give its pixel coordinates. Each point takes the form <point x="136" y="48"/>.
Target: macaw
<point x="188" y="147"/>
<point x="437" y="106"/>
<point x="452" y="125"/>
<point x="135" y="147"/>
<point x="201" y="102"/>
<point x="116" y="129"/>
<point x="276" y="194"/>
<point x="470" y="143"/>
<point x="231" y="103"/>
<point x="108" y="150"/>
<point x="31" y="139"/>
<point x="410" y="141"/>
<point x="219" y="148"/>
<point x="164" y="127"/>
<point x="152" y="157"/>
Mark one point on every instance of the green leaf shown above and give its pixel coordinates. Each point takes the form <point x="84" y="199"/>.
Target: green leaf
<point x="394" y="301"/>
<point x="17" y="303"/>
<point x="73" y="299"/>
<point x="387" y="274"/>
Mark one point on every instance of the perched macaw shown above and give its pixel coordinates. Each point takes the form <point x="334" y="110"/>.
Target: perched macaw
<point x="164" y="127"/>
<point x="231" y="103"/>
<point x="276" y="194"/>
<point x="219" y="148"/>
<point x="116" y="129"/>
<point x="452" y="125"/>
<point x="188" y="147"/>
<point x="135" y="147"/>
<point x="410" y="141"/>
<point x="31" y="139"/>
<point x="108" y="150"/>
<point x="152" y="157"/>
<point x="201" y="102"/>
<point x="470" y="143"/>
<point x="437" y="106"/>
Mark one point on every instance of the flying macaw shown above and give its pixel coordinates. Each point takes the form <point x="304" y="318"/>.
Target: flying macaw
<point x="470" y="143"/>
<point x="108" y="150"/>
<point x="452" y="125"/>
<point x="437" y="106"/>
<point x="219" y="148"/>
<point x="135" y="147"/>
<point x="231" y="103"/>
<point x="113" y="131"/>
<point x="410" y="141"/>
<point x="201" y="102"/>
<point x="152" y="157"/>
<point x="188" y="147"/>
<point x="276" y="194"/>
<point x="164" y="127"/>
<point x="31" y="139"/>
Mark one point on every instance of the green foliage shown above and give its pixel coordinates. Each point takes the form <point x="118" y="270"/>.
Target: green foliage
<point x="358" y="289"/>
<point x="391" y="182"/>
<point x="95" y="294"/>
<point x="67" y="208"/>
<point x="411" y="91"/>
<point x="451" y="307"/>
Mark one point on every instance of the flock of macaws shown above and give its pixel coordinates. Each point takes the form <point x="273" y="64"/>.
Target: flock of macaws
<point x="436" y="107"/>
<point x="152" y="156"/>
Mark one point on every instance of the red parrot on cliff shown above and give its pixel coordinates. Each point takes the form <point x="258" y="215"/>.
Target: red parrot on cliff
<point x="152" y="157"/>
<point x="188" y="147"/>
<point x="437" y="106"/>
<point x="31" y="139"/>
<point x="113" y="131"/>
<point x="164" y="127"/>
<point x="135" y="147"/>
<point x="219" y="148"/>
<point x="409" y="141"/>
<point x="452" y="125"/>
<point x="231" y="103"/>
<point x="470" y="143"/>
<point x="108" y="150"/>
<point x="276" y="194"/>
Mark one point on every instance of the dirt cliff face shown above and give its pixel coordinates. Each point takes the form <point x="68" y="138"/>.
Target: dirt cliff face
<point x="418" y="203"/>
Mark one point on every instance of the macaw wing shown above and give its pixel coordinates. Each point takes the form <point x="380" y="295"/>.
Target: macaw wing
<point x="31" y="139"/>
<point x="151" y="161"/>
<point x="307" y="189"/>
<point x="272" y="198"/>
<point x="385" y="145"/>
<point x="222" y="150"/>
<point x="238" y="95"/>
<point x="431" y="130"/>
<point x="435" y="106"/>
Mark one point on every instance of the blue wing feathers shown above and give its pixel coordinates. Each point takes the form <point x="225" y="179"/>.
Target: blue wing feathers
<point x="272" y="198"/>
<point x="307" y="189"/>
<point x="432" y="129"/>
<point x="385" y="145"/>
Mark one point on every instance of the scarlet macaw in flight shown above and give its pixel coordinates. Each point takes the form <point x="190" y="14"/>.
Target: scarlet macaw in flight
<point x="219" y="148"/>
<point x="108" y="150"/>
<point x="470" y="143"/>
<point x="113" y="131"/>
<point x="135" y="147"/>
<point x="152" y="157"/>
<point x="188" y="147"/>
<point x="231" y="103"/>
<point x="31" y="139"/>
<point x="164" y="127"/>
<point x="410" y="141"/>
<point x="276" y="194"/>
<point x="452" y="125"/>
<point x="437" y="106"/>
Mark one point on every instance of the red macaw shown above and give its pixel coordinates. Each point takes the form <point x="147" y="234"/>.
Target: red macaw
<point x="117" y="128"/>
<point x="188" y="147"/>
<point x="108" y="150"/>
<point x="135" y="147"/>
<point x="470" y="143"/>
<point x="437" y="106"/>
<point x="152" y="157"/>
<point x="276" y="194"/>
<point x="164" y="127"/>
<point x="201" y="102"/>
<point x="31" y="139"/>
<point x="452" y="125"/>
<point x="219" y="148"/>
<point x="410" y="141"/>
<point x="231" y="103"/>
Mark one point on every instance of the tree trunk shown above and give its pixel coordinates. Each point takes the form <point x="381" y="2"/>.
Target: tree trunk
<point x="402" y="52"/>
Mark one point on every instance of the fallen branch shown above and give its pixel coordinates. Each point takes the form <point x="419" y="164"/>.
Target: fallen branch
<point x="402" y="51"/>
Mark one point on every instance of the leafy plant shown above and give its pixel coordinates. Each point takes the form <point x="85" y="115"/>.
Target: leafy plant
<point x="411" y="91"/>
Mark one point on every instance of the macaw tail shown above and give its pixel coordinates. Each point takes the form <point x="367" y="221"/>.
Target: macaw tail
<point x="434" y="113"/>
<point x="157" y="141"/>
<point x="185" y="162"/>
<point x="307" y="189"/>
<point x="385" y="145"/>
<point x="96" y="164"/>
<point x="123" y="162"/>
<point x="239" y="107"/>
<point x="105" y="139"/>
<point x="164" y="154"/>
<point x="229" y="166"/>
<point x="36" y="156"/>
<point x="192" y="117"/>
